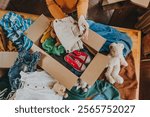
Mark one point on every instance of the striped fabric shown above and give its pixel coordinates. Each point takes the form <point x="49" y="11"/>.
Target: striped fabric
<point x="2" y="93"/>
<point x="3" y="4"/>
<point x="14" y="26"/>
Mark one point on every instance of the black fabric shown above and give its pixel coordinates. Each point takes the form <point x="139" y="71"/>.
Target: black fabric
<point x="5" y="88"/>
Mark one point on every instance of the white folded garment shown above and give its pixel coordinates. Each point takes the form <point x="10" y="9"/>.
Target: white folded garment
<point x="36" y="87"/>
<point x="68" y="33"/>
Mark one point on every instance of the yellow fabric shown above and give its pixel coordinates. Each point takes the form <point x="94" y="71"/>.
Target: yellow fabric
<point x="11" y="47"/>
<point x="2" y="41"/>
<point x="59" y="8"/>
<point x="5" y="44"/>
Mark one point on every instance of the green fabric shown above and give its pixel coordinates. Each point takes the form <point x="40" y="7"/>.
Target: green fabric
<point x="49" y="46"/>
<point x="101" y="87"/>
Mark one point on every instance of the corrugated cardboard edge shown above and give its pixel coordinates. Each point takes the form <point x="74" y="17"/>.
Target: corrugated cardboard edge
<point x="96" y="67"/>
<point x="55" y="69"/>
<point x="95" y="41"/>
<point x="42" y="22"/>
<point x="7" y="59"/>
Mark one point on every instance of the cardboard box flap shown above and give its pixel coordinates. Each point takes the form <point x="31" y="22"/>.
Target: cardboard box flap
<point x="143" y="3"/>
<point x="7" y="59"/>
<point x="36" y="30"/>
<point x="55" y="69"/>
<point x="95" y="68"/>
<point x="95" y="41"/>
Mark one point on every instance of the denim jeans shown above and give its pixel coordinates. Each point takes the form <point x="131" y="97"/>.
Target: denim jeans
<point x="26" y="62"/>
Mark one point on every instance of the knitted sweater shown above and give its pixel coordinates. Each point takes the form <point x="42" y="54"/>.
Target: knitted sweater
<point x="59" y="8"/>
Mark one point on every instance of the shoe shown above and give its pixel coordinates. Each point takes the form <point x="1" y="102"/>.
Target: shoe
<point x="82" y="56"/>
<point x="75" y="63"/>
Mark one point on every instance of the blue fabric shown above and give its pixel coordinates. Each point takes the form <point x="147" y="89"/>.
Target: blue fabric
<point x="14" y="26"/>
<point x="111" y="35"/>
<point x="26" y="62"/>
<point x="101" y="90"/>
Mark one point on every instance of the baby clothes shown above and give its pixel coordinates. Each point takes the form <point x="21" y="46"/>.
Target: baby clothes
<point x="101" y="89"/>
<point x="35" y="86"/>
<point x="68" y="33"/>
<point x="25" y="62"/>
<point x="111" y="35"/>
<point x="14" y="26"/>
<point x="49" y="46"/>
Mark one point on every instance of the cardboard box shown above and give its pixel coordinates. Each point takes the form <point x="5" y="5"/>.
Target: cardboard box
<point x="142" y="3"/>
<point x="7" y="59"/>
<point x="56" y="69"/>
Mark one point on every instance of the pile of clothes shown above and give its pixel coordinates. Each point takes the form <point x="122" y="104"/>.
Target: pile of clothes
<point x="25" y="81"/>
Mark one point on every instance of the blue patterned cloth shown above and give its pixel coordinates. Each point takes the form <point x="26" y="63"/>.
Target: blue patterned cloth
<point x="14" y="26"/>
<point x="26" y="62"/>
<point x="111" y="35"/>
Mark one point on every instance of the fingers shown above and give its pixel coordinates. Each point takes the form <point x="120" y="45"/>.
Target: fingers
<point x="85" y="34"/>
<point x="82" y="29"/>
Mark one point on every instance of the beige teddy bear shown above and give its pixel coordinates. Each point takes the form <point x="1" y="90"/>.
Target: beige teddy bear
<point x="116" y="60"/>
<point x="58" y="88"/>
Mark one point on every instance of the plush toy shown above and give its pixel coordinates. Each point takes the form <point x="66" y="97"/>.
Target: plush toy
<point x="116" y="60"/>
<point x="58" y="88"/>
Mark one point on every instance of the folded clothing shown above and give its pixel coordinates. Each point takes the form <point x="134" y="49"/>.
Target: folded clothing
<point x="68" y="33"/>
<point x="25" y="62"/>
<point x="49" y="46"/>
<point x="35" y="86"/>
<point x="14" y="26"/>
<point x="111" y="35"/>
<point x="101" y="89"/>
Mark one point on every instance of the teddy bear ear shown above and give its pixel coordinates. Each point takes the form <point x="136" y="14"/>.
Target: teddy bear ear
<point x="51" y="84"/>
<point x="122" y="45"/>
<point x="112" y="45"/>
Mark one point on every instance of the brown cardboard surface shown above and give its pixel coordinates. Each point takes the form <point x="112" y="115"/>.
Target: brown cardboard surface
<point x="36" y="30"/>
<point x="55" y="69"/>
<point x="143" y="3"/>
<point x="106" y="2"/>
<point x="95" y="41"/>
<point x="7" y="59"/>
<point x="95" y="68"/>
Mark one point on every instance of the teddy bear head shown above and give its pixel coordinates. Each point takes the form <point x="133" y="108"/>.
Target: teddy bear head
<point x="59" y="89"/>
<point x="116" y="49"/>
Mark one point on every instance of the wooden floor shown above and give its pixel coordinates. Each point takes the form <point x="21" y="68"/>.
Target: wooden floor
<point x="122" y="17"/>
